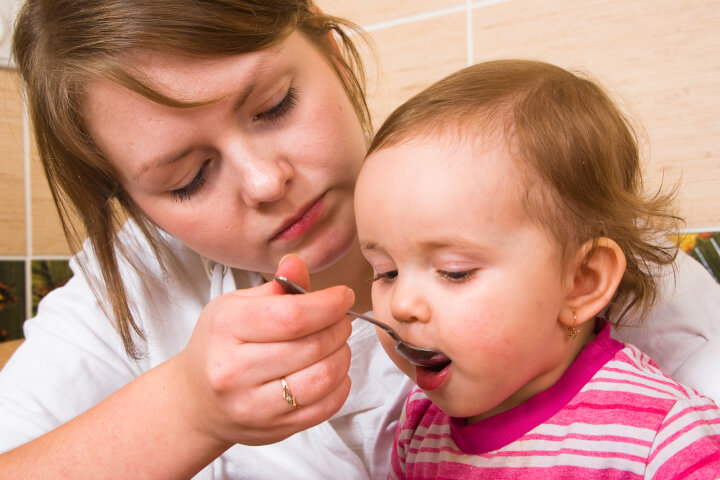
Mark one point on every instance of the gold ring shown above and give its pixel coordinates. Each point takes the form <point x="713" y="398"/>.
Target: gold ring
<point x="287" y="394"/>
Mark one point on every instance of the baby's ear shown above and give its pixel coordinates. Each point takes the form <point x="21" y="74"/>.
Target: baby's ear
<point x="593" y="275"/>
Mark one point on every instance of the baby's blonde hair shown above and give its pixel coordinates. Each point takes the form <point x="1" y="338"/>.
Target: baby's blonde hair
<point x="576" y="153"/>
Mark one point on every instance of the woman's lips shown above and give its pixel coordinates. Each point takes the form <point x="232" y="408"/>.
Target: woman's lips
<point x="301" y="223"/>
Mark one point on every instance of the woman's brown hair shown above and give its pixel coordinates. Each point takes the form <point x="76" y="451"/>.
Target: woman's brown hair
<point x="58" y="45"/>
<point x="576" y="152"/>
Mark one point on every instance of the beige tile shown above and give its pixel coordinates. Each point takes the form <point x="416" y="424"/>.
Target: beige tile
<point x="12" y="190"/>
<point x="658" y="57"/>
<point x="47" y="234"/>
<point x="373" y="11"/>
<point x="412" y="56"/>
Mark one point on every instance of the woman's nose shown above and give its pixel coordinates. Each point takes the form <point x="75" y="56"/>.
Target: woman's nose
<point x="408" y="304"/>
<point x="263" y="177"/>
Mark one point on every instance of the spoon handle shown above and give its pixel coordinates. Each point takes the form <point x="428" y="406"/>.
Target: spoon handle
<point x="292" y="287"/>
<point x="377" y="323"/>
<point x="425" y="357"/>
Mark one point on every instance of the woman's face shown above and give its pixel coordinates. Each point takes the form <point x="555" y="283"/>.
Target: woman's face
<point x="268" y="167"/>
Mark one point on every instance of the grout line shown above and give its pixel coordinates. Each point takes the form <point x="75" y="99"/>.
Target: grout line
<point x="28" y="211"/>
<point x="414" y="18"/>
<point x="21" y="258"/>
<point x="469" y="27"/>
<point x="716" y="228"/>
<point x="51" y="257"/>
<point x="469" y="4"/>
<point x="485" y="3"/>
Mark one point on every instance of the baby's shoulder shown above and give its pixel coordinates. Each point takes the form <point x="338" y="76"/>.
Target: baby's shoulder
<point x="633" y="371"/>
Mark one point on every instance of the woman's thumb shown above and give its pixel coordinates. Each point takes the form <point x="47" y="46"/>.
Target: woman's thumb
<point x="294" y="269"/>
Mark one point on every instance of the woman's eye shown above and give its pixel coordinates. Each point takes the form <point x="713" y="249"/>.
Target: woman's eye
<point x="184" y="193"/>
<point x="388" y="276"/>
<point x="285" y="105"/>
<point x="458" y="277"/>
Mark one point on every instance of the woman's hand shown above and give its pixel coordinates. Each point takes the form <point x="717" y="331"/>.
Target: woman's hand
<point x="246" y="341"/>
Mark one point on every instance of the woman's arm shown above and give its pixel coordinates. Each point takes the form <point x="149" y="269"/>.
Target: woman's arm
<point x="223" y="388"/>
<point x="141" y="431"/>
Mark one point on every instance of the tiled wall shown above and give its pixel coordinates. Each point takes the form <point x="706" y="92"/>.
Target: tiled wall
<point x="33" y="252"/>
<point x="659" y="57"/>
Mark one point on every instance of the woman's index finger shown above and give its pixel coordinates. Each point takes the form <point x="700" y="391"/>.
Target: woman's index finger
<point x="275" y="318"/>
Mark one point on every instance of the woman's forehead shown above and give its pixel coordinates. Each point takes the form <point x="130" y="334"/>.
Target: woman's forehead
<point x="191" y="78"/>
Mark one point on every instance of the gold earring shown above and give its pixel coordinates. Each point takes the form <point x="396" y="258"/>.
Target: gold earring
<point x="572" y="331"/>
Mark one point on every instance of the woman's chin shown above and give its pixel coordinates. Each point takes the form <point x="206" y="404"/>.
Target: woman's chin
<point x="323" y="255"/>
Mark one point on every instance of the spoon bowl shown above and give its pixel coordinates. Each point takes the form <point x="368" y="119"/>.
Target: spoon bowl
<point x="420" y="356"/>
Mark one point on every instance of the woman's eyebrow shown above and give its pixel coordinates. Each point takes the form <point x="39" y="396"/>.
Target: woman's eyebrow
<point x="254" y="74"/>
<point x="167" y="160"/>
<point x="245" y="93"/>
<point x="242" y="97"/>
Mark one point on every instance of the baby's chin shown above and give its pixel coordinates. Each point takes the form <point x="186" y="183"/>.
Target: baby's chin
<point x="472" y="408"/>
<point x="471" y="414"/>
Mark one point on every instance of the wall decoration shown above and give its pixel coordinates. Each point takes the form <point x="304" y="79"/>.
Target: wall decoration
<point x="703" y="247"/>
<point x="46" y="276"/>
<point x="14" y="307"/>
<point x="12" y="299"/>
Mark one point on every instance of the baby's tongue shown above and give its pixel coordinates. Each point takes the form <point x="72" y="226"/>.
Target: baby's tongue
<point x="429" y="379"/>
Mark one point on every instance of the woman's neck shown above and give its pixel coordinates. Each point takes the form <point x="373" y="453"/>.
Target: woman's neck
<point x="352" y="270"/>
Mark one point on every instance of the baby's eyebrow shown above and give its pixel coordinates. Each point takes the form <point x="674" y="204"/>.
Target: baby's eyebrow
<point x="366" y="245"/>
<point x="449" y="241"/>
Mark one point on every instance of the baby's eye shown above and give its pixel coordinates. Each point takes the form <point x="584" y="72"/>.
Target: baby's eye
<point x="388" y="276"/>
<point x="457" y="276"/>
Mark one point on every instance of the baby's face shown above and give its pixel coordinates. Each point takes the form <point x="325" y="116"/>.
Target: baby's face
<point x="460" y="267"/>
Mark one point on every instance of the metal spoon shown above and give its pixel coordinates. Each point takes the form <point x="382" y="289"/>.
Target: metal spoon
<point x="423" y="357"/>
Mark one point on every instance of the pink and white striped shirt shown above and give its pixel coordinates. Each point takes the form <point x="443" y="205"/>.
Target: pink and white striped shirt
<point x="613" y="415"/>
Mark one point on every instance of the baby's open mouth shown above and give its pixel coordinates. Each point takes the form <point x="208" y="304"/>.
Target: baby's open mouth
<point x="433" y="374"/>
<point x="437" y="363"/>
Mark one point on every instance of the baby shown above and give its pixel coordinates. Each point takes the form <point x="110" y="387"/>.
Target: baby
<point x="503" y="214"/>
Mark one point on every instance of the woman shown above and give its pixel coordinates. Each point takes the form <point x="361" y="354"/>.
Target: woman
<point x="230" y="133"/>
